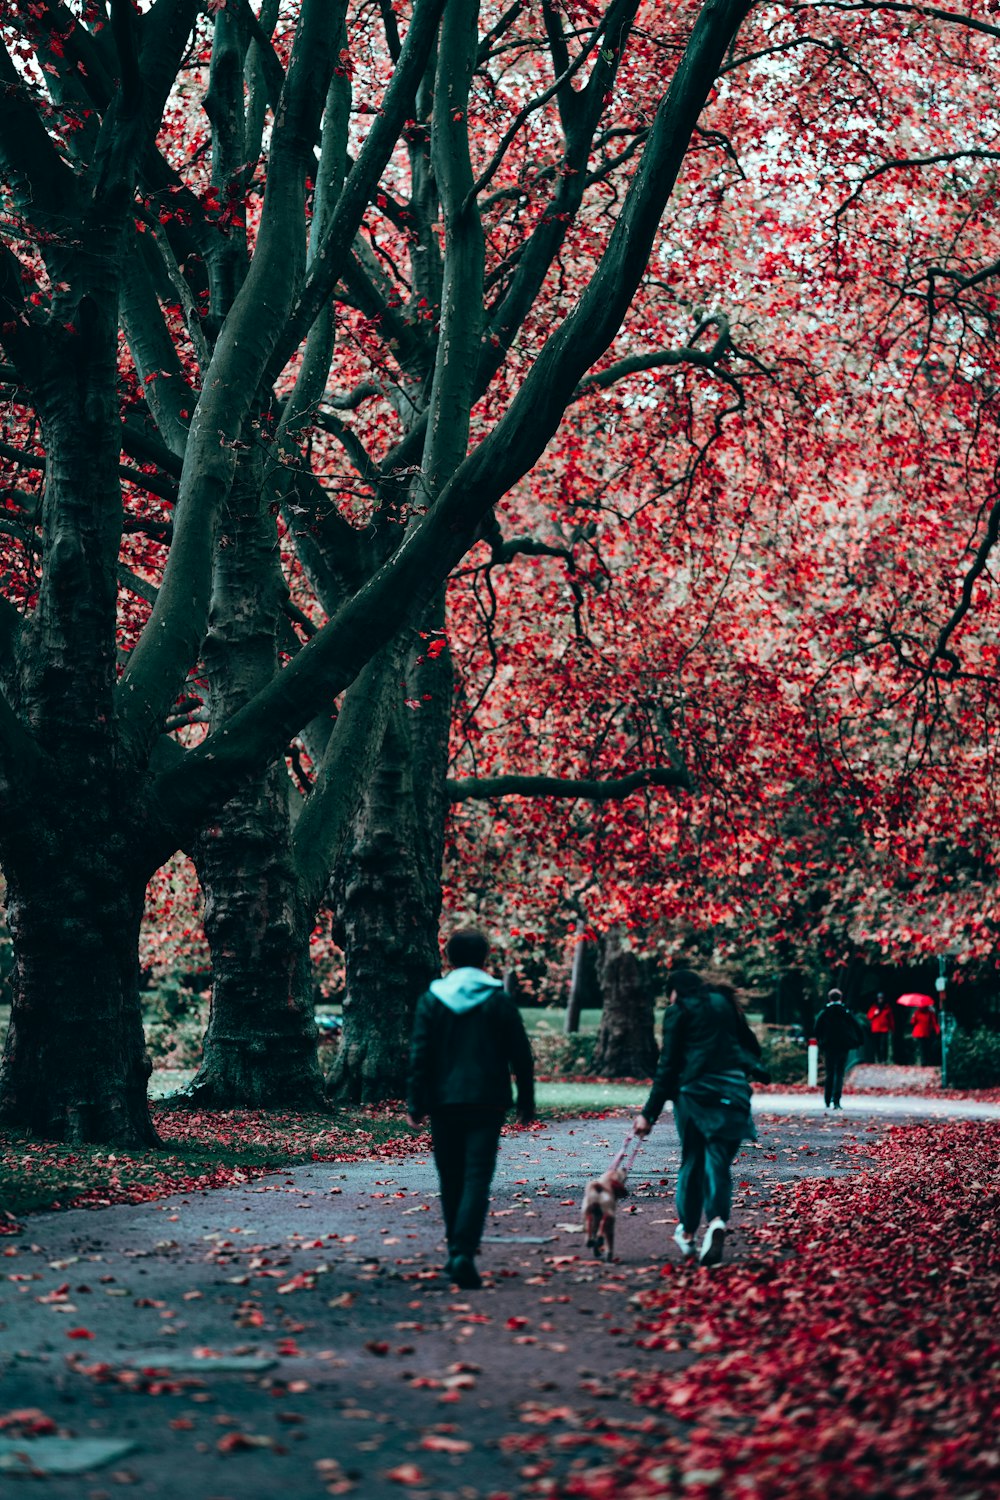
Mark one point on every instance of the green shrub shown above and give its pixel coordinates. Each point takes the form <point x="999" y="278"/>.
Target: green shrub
<point x="559" y="1056"/>
<point x="782" y="1054"/>
<point x="174" y="1021"/>
<point x="973" y="1059"/>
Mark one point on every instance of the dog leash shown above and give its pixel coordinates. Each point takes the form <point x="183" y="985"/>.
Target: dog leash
<point x="625" y="1157"/>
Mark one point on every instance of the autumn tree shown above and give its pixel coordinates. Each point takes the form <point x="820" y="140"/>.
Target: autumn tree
<point x="842" y="759"/>
<point x="95" y="793"/>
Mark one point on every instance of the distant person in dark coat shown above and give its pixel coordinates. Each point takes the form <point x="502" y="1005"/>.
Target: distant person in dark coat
<point x="708" y="1050"/>
<point x="837" y="1032"/>
<point x="468" y="1037"/>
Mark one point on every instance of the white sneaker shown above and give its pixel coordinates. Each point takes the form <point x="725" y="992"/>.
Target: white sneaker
<point x="712" y="1244"/>
<point x="684" y="1241"/>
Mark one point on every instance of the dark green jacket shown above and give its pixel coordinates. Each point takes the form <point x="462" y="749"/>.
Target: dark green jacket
<point x="468" y="1038"/>
<point x="704" y="1036"/>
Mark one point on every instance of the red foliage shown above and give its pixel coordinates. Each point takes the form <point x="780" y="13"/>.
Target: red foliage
<point x="855" y="1350"/>
<point x="275" y="1138"/>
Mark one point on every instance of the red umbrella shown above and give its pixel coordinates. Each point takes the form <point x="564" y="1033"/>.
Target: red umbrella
<point x="915" y="1000"/>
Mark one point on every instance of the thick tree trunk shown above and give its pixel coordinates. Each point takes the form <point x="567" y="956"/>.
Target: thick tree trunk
<point x="626" y="1042"/>
<point x="260" y="1045"/>
<point x="391" y="894"/>
<point x="75" y="1065"/>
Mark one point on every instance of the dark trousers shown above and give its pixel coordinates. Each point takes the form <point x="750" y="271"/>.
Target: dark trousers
<point x="833" y="1067"/>
<point x="880" y="1042"/>
<point x="465" y="1139"/>
<point x="704" y="1184"/>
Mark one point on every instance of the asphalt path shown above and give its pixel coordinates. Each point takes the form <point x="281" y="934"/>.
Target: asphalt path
<point x="295" y="1336"/>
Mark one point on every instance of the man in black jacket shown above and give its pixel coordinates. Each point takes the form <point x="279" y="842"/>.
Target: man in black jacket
<point x="708" y="1049"/>
<point x="467" y="1038"/>
<point x="837" y="1032"/>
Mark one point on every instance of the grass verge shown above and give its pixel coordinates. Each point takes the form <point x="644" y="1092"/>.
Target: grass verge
<point x="201" y="1149"/>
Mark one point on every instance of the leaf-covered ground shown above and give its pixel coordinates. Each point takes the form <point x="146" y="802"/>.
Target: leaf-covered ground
<point x="201" y="1149"/>
<point x="856" y="1350"/>
<point x="293" y="1334"/>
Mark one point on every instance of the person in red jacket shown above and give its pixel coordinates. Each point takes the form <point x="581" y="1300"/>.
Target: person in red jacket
<point x="926" y="1030"/>
<point x="882" y="1024"/>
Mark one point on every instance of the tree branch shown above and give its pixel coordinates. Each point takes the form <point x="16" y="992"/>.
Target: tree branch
<point x="406" y="583"/>
<point x="686" y="354"/>
<point x="931" y="11"/>
<point x="942" y="651"/>
<point x="164" y="489"/>
<point x="902" y="163"/>
<point x="615" y="788"/>
<point x="510" y="134"/>
<point x="453" y="383"/>
<point x="169" y="644"/>
<point x="327" y="265"/>
<point x="37" y="175"/>
<point x="270" y="62"/>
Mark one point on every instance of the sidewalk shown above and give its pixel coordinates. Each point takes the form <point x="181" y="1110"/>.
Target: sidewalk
<point x="295" y="1336"/>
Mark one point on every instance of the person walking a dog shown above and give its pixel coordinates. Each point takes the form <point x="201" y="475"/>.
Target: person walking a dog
<point x="468" y="1037"/>
<point x="708" y="1050"/>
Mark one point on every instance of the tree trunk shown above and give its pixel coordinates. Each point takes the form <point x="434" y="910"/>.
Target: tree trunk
<point x="260" y="1045"/>
<point x="75" y="1065"/>
<point x="626" y="1042"/>
<point x="583" y="988"/>
<point x="391" y="893"/>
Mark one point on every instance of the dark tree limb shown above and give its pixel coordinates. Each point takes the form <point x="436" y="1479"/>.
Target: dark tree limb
<point x="656" y="359"/>
<point x="329" y="261"/>
<point x="409" y="579"/>
<point x="933" y="12"/>
<point x="593" y="789"/>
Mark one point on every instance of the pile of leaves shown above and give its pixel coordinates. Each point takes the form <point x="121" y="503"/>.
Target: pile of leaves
<point x="201" y="1149"/>
<point x="857" y="1348"/>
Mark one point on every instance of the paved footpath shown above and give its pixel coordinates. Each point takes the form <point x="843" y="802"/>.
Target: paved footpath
<point x="294" y="1336"/>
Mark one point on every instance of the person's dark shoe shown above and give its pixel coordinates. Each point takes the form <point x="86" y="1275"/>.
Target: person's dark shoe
<point x="713" y="1243"/>
<point x="464" y="1273"/>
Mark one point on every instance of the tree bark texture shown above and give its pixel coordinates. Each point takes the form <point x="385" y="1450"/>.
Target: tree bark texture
<point x="626" y="1041"/>
<point x="391" y="894"/>
<point x="260" y="1045"/>
<point x="583" y="987"/>
<point x="75" y="1065"/>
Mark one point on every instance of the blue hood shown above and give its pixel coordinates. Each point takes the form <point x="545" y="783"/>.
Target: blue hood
<point x="464" y="989"/>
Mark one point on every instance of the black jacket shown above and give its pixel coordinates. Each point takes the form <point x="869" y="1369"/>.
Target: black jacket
<point x="467" y="1056"/>
<point x="703" y="1035"/>
<point x="836" y="1028"/>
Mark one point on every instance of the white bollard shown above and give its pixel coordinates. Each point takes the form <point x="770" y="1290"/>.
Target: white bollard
<point x="812" y="1075"/>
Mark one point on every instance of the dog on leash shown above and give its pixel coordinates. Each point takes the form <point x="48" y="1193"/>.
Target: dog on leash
<point x="600" y="1199"/>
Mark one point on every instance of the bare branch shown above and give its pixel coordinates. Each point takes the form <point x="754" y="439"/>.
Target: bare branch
<point x="902" y="163"/>
<point x="614" y="788"/>
<point x="942" y="651"/>
<point x="687" y="354"/>
<point x="933" y="12"/>
<point x="489" y="171"/>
